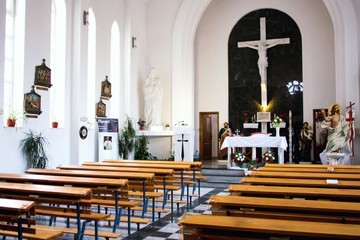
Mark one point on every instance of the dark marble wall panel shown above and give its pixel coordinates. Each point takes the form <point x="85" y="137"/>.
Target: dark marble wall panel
<point x="284" y="65"/>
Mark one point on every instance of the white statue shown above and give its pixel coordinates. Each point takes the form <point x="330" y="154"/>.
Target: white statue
<point x="153" y="94"/>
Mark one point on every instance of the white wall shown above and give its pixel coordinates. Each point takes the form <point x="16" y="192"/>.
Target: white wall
<point x="152" y="23"/>
<point x="159" y="28"/>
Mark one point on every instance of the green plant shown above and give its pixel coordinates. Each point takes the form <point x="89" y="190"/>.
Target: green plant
<point x="13" y="116"/>
<point x="127" y="139"/>
<point x="167" y="125"/>
<point x="141" y="122"/>
<point x="33" y="149"/>
<point x="141" y="149"/>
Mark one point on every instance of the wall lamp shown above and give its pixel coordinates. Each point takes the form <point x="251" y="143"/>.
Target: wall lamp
<point x="133" y="42"/>
<point x="85" y="18"/>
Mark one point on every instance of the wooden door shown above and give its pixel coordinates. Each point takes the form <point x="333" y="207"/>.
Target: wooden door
<point x="208" y="126"/>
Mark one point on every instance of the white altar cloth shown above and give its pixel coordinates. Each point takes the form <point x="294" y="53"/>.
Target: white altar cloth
<point x="254" y="142"/>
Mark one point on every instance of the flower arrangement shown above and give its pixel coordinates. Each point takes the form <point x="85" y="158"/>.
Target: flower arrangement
<point x="268" y="157"/>
<point x="241" y="160"/>
<point x="277" y="121"/>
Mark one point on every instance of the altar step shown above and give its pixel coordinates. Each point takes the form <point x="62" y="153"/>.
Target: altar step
<point x="221" y="178"/>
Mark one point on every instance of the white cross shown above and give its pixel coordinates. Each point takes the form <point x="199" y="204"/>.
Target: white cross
<point x="261" y="46"/>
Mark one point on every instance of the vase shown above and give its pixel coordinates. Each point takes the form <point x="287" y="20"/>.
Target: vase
<point x="277" y="131"/>
<point x="11" y="123"/>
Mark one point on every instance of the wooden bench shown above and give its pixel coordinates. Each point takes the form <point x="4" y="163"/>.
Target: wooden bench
<point x="179" y="168"/>
<point x="161" y="174"/>
<point x="195" y="167"/>
<point x="312" y="166"/>
<point x="329" y="169"/>
<point x="290" y="209"/>
<point x="118" y="188"/>
<point x="294" y="182"/>
<point x="138" y="182"/>
<point x="304" y="175"/>
<point x="49" y="194"/>
<point x="194" y="226"/>
<point x="13" y="213"/>
<point x="296" y="192"/>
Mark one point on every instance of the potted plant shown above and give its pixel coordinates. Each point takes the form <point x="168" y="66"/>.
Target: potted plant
<point x="141" y="124"/>
<point x="141" y="149"/>
<point x="13" y="117"/>
<point x="167" y="127"/>
<point x="127" y="139"/>
<point x="33" y="149"/>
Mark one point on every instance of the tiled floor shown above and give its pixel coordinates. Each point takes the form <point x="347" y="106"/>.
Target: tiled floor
<point x="161" y="229"/>
<point x="164" y="229"/>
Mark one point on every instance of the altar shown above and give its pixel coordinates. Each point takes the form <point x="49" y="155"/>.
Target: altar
<point x="254" y="142"/>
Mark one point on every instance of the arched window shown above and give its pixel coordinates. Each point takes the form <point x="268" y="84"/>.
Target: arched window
<point x="91" y="74"/>
<point x="57" y="61"/>
<point x="14" y="58"/>
<point x="115" y="69"/>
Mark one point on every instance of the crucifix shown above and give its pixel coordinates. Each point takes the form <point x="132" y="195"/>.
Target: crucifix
<point x="350" y="117"/>
<point x="261" y="46"/>
<point x="182" y="146"/>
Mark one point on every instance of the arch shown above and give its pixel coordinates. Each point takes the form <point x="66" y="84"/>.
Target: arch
<point x="114" y="68"/>
<point x="183" y="60"/>
<point x="183" y="55"/>
<point x="91" y="67"/>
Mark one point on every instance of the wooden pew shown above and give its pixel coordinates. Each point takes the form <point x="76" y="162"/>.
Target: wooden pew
<point x="195" y="168"/>
<point x="296" y="192"/>
<point x="180" y="168"/>
<point x="49" y="194"/>
<point x="295" y="182"/>
<point x="329" y="169"/>
<point x="312" y="166"/>
<point x="290" y="209"/>
<point x="13" y="213"/>
<point x="194" y="226"/>
<point x="117" y="188"/>
<point x="160" y="174"/>
<point x="306" y="175"/>
<point x="138" y="182"/>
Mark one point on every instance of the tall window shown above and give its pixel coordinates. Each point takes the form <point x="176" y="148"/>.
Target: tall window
<point x="91" y="68"/>
<point x="14" y="56"/>
<point x="57" y="61"/>
<point x="115" y="69"/>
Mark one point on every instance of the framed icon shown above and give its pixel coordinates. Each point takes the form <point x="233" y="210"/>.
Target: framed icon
<point x="42" y="75"/>
<point x="263" y="116"/>
<point x="32" y="102"/>
<point x="106" y="88"/>
<point x="100" y="109"/>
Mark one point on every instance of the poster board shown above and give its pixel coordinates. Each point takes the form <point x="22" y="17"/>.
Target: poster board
<point x="108" y="138"/>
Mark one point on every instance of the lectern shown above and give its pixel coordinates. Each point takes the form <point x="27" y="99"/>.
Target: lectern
<point x="184" y="143"/>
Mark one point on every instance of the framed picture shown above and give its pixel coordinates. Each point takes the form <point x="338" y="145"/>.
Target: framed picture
<point x="263" y="116"/>
<point x="32" y="102"/>
<point x="42" y="75"/>
<point x="106" y="88"/>
<point x="100" y="109"/>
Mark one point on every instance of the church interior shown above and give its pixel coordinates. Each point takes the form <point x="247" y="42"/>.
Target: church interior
<point x="74" y="74"/>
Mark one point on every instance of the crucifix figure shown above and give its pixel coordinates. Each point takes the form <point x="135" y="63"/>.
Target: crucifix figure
<point x="261" y="46"/>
